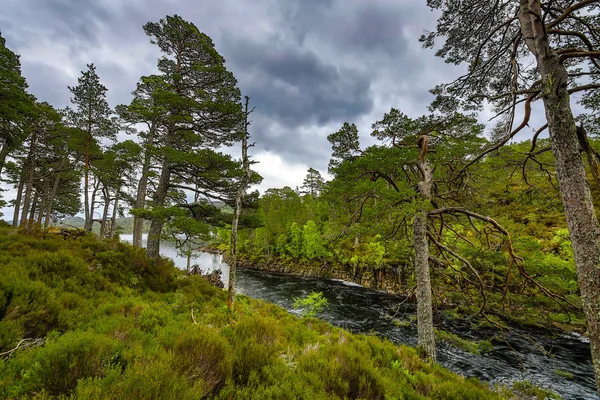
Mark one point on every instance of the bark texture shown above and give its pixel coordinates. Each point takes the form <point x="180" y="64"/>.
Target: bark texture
<point x="86" y="186"/>
<point x="426" y="338"/>
<point x="576" y="197"/>
<point x="241" y="191"/>
<point x="153" y="246"/>
<point x="140" y="200"/>
<point x="50" y="204"/>
<point x="113" y="219"/>
<point x="15" y="221"/>
<point x="24" y="224"/>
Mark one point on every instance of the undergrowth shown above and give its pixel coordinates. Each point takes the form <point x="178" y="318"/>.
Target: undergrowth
<point x="112" y="324"/>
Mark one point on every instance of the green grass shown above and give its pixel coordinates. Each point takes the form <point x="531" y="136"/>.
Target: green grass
<point x="114" y="326"/>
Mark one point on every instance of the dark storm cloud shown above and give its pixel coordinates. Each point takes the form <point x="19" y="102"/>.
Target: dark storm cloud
<point x="354" y="26"/>
<point x="292" y="144"/>
<point x="295" y="87"/>
<point x="308" y="65"/>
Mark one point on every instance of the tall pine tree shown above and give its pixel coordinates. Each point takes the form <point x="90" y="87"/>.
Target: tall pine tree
<point x="202" y="109"/>
<point x="92" y="115"/>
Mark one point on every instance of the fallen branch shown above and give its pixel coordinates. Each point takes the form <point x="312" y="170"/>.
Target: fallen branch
<point x="23" y="344"/>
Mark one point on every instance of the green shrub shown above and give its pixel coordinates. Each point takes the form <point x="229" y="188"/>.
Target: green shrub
<point x="312" y="304"/>
<point x="250" y="358"/>
<point x="145" y="380"/>
<point x="154" y="315"/>
<point x="345" y="372"/>
<point x="60" y="363"/>
<point x="458" y="390"/>
<point x="203" y="358"/>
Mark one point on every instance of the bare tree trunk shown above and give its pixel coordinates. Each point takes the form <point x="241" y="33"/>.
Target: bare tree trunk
<point x="18" y="199"/>
<point x="44" y="203"/>
<point x="3" y="154"/>
<point x="106" y="194"/>
<point x="241" y="191"/>
<point x="26" y="206"/>
<point x="570" y="172"/>
<point x="86" y="186"/>
<point x="29" y="223"/>
<point x="30" y="176"/>
<point x="40" y="214"/>
<point x="591" y="155"/>
<point x="426" y="338"/>
<point x="113" y="220"/>
<point x="153" y="246"/>
<point x="93" y="203"/>
<point x="50" y="204"/>
<point x="140" y="200"/>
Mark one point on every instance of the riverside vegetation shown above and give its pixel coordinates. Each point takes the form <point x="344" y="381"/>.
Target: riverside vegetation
<point x="432" y="201"/>
<point x="101" y="320"/>
<point x="314" y="231"/>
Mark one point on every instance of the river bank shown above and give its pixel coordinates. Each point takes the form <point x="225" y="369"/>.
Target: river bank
<point x="397" y="281"/>
<point x="389" y="280"/>
<point x="518" y="357"/>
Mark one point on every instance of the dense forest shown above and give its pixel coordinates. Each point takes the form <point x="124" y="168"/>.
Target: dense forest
<point x="458" y="217"/>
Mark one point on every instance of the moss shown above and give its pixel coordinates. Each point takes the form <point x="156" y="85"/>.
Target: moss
<point x="530" y="390"/>
<point x="478" y="347"/>
<point x="564" y="374"/>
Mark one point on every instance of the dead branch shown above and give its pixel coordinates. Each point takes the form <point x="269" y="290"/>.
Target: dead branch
<point x="519" y="261"/>
<point x="507" y="138"/>
<point x="470" y="267"/>
<point x="24" y="344"/>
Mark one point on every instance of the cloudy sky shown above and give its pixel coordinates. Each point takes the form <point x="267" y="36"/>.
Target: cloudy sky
<point x="309" y="65"/>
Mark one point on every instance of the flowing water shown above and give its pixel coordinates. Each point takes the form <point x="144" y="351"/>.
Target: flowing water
<point x="360" y="310"/>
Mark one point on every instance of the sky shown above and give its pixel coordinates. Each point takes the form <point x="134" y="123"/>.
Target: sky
<point x="308" y="65"/>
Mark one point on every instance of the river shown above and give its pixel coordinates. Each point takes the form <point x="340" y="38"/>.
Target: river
<point x="361" y="310"/>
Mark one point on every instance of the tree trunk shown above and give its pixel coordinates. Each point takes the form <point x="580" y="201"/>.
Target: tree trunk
<point x="40" y="214"/>
<point x="86" y="186"/>
<point x="30" y="176"/>
<point x="140" y="200"/>
<point x="104" y="221"/>
<point x="30" y="222"/>
<point x="26" y="205"/>
<point x="3" y="154"/>
<point x="575" y="193"/>
<point x="591" y="155"/>
<point x="113" y="220"/>
<point x="18" y="199"/>
<point x="153" y="246"/>
<point x="44" y="203"/>
<point x="238" y="209"/>
<point x="426" y="338"/>
<point x="50" y="204"/>
<point x="93" y="203"/>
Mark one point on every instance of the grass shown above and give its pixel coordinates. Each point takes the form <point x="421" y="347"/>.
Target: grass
<point x="111" y="325"/>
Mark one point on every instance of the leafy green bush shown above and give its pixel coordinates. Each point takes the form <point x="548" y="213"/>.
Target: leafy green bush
<point x="61" y="362"/>
<point x="312" y="304"/>
<point x="203" y="358"/>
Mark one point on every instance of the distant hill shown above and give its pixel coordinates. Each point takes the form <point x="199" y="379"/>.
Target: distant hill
<point x="126" y="224"/>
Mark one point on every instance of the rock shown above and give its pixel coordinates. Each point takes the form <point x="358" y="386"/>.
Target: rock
<point x="214" y="278"/>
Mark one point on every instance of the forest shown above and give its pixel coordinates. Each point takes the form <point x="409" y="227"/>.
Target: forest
<point x="460" y="218"/>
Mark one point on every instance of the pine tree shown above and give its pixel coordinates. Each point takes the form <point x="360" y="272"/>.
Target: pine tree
<point x="16" y="105"/>
<point x="92" y="115"/>
<point x="202" y="112"/>
<point x="313" y="183"/>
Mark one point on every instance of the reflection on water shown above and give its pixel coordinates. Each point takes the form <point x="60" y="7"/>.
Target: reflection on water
<point x="207" y="262"/>
<point x="361" y="310"/>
